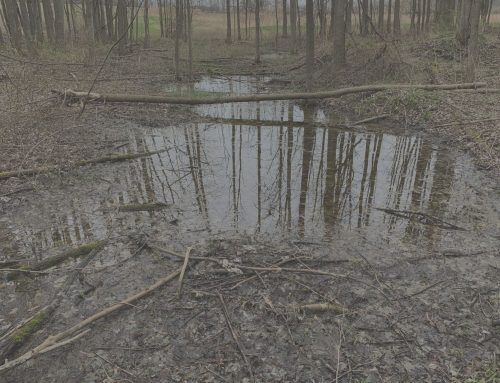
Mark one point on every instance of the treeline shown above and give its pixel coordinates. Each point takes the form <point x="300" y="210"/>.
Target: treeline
<point x="29" y="24"/>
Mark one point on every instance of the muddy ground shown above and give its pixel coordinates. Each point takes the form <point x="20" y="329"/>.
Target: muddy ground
<point x="390" y="230"/>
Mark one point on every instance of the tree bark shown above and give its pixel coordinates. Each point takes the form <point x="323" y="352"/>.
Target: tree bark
<point x="473" y="44"/>
<point x="257" y="31"/>
<point x="238" y="22"/>
<point x="70" y="95"/>
<point x="397" y="19"/>
<point x="293" y="25"/>
<point x="48" y="15"/>
<point x="309" y="43"/>
<point x="381" y="5"/>
<point x="178" y="22"/>
<point x="285" y="20"/>
<point x="228" y="21"/>
<point x="146" y="24"/>
<point x="339" y="35"/>
<point x="59" y="23"/>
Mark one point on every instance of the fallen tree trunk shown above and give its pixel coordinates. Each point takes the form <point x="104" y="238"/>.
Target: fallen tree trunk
<point x="48" y="169"/>
<point x="71" y="95"/>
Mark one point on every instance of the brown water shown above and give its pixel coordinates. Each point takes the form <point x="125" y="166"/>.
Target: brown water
<point x="274" y="168"/>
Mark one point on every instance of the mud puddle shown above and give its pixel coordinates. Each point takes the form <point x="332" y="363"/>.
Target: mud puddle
<point x="273" y="168"/>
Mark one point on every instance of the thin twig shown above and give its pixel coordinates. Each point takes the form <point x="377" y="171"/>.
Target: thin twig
<point x="183" y="270"/>
<point x="235" y="337"/>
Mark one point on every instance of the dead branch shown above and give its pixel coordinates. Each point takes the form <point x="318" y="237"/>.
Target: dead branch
<point x="235" y="338"/>
<point x="64" y="337"/>
<point x="48" y="169"/>
<point x="71" y="95"/>
<point x="370" y="119"/>
<point x="183" y="270"/>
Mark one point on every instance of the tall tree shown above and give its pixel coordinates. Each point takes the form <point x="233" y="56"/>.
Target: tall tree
<point x="397" y="17"/>
<point x="190" y="38"/>
<point x="238" y="23"/>
<point x="12" y="21"/>
<point x="473" y="43"/>
<point x="309" y="43"/>
<point x="178" y="22"/>
<point x="146" y="23"/>
<point x="381" y="5"/>
<point x="122" y="25"/>
<point x="59" y="23"/>
<point x="285" y="20"/>
<point x="228" y="21"/>
<point x="364" y="18"/>
<point x="339" y="34"/>
<point x="293" y="25"/>
<point x="48" y="15"/>
<point x="25" y="22"/>
<point x="257" y="31"/>
<point x="389" y="18"/>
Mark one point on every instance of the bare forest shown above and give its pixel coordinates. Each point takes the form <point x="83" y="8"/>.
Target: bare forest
<point x="249" y="191"/>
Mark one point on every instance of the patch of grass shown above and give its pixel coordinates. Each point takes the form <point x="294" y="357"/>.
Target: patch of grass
<point x="489" y="375"/>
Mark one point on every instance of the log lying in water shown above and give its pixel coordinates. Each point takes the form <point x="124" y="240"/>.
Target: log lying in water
<point x="71" y="95"/>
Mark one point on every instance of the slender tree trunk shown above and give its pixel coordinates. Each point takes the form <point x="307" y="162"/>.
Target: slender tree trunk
<point x="332" y="12"/>
<point x="473" y="45"/>
<point x="389" y="18"/>
<point x="419" y="16"/>
<point x="339" y="35"/>
<point x="428" y="16"/>
<point x="122" y="25"/>
<point x="228" y="21"/>
<point x="364" y="18"/>
<point x="190" y="38"/>
<point x="10" y="14"/>
<point x="160" y="12"/>
<point x="348" y="16"/>
<point x="381" y="5"/>
<point x="146" y="24"/>
<point x="177" y="39"/>
<point x="238" y="19"/>
<point x="48" y="15"/>
<point x="277" y="24"/>
<point x="285" y="19"/>
<point x="131" y="30"/>
<point x="397" y="15"/>
<point x="246" y="19"/>
<point x="25" y="22"/>
<point x="464" y="25"/>
<point x="257" y="31"/>
<point x="108" y="6"/>
<point x="293" y="25"/>
<point x="59" y="22"/>
<point x="309" y="43"/>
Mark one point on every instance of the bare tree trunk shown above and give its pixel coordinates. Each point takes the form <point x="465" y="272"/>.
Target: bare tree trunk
<point x="332" y="12"/>
<point x="122" y="25"/>
<point x="59" y="23"/>
<point x="23" y="8"/>
<point x="285" y="20"/>
<point x="339" y="35"/>
<point x="48" y="15"/>
<point x="364" y="18"/>
<point x="293" y="25"/>
<point x="389" y="18"/>
<point x="309" y="44"/>
<point x="246" y="19"/>
<point x="413" y="12"/>
<point x="381" y="5"/>
<point x="146" y="24"/>
<point x="419" y="16"/>
<point x="108" y="7"/>
<point x="348" y="16"/>
<point x="228" y="21"/>
<point x="238" y="19"/>
<point x="473" y="46"/>
<point x="12" y="22"/>
<point x="257" y="31"/>
<point x="177" y="39"/>
<point x="464" y="25"/>
<point x="190" y="38"/>
<point x="397" y="19"/>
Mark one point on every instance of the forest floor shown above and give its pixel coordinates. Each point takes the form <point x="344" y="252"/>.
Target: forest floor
<point x="388" y="233"/>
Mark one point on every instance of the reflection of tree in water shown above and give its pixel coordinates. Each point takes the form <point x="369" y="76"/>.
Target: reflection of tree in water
<point x="309" y="179"/>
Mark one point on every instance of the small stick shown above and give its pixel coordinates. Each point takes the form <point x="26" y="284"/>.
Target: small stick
<point x="235" y="337"/>
<point x="183" y="270"/>
<point x="370" y="119"/>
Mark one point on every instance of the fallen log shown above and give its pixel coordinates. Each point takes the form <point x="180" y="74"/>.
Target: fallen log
<point x="49" y="262"/>
<point x="71" y="95"/>
<point x="48" y="169"/>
